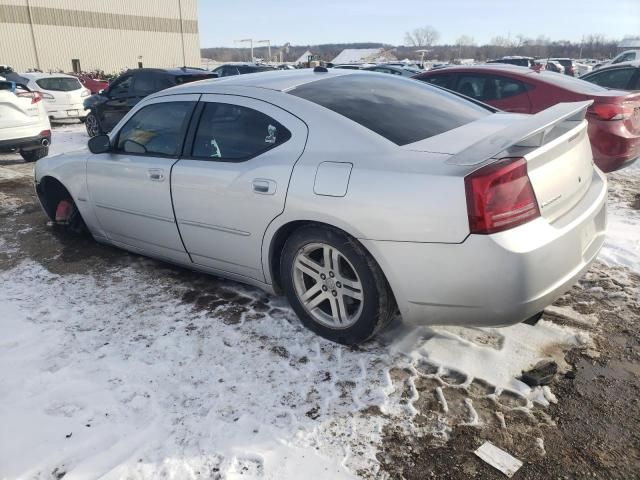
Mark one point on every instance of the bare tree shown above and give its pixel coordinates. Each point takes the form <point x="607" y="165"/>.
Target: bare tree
<point x="422" y="37"/>
<point x="500" y="41"/>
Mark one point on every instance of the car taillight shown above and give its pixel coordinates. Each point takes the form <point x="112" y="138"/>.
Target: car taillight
<point x="611" y="111"/>
<point x="45" y="133"/>
<point x="500" y="197"/>
<point x="34" y="96"/>
<point x="85" y="92"/>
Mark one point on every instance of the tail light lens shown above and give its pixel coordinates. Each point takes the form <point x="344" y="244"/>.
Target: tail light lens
<point x="500" y="197"/>
<point x="85" y="92"/>
<point x="34" y="96"/>
<point x="611" y="111"/>
<point x="45" y="133"/>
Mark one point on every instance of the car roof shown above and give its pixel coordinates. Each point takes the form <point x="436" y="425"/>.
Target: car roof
<point x="490" y="67"/>
<point x="39" y="75"/>
<point x="243" y="64"/>
<point x="170" y="71"/>
<point x="278" y="80"/>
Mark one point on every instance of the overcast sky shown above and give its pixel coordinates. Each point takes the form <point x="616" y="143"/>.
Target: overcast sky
<point x="334" y="21"/>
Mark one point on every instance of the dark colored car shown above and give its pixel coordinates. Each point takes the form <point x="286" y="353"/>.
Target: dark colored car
<point x="515" y="60"/>
<point x="110" y="106"/>
<point x="231" y="69"/>
<point x="620" y="77"/>
<point x="391" y="69"/>
<point x="614" y="117"/>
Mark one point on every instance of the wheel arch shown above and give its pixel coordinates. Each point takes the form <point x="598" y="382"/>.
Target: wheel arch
<point x="284" y="231"/>
<point x="50" y="192"/>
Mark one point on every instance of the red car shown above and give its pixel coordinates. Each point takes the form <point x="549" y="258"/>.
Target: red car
<point x="93" y="84"/>
<point x="614" y="117"/>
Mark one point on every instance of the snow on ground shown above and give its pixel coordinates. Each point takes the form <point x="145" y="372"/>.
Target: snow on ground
<point x="623" y="236"/>
<point x="139" y="370"/>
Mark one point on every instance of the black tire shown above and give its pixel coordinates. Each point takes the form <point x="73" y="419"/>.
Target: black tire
<point x="92" y="125"/>
<point x="378" y="304"/>
<point x="33" y="155"/>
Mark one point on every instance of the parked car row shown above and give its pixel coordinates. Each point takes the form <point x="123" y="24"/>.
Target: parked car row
<point x="614" y="116"/>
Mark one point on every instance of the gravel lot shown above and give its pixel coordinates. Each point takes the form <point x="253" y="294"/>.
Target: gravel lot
<point x="113" y="365"/>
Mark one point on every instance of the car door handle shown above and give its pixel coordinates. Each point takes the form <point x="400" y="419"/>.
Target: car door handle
<point x="156" y="174"/>
<point x="264" y="186"/>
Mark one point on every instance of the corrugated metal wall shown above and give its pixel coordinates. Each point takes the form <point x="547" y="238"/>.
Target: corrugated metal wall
<point x="62" y="30"/>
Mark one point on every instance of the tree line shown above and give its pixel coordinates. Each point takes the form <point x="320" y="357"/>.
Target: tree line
<point x="426" y="38"/>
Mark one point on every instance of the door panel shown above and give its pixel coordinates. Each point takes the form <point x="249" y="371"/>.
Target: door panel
<point x="131" y="191"/>
<point x="224" y="207"/>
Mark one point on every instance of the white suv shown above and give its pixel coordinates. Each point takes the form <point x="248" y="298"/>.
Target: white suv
<point x="24" y="123"/>
<point x="63" y="94"/>
<point x="626" y="56"/>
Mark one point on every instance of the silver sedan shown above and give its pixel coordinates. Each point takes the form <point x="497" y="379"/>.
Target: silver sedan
<point x="357" y="195"/>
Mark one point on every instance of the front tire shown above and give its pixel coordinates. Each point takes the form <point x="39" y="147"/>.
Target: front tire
<point x="92" y="125"/>
<point x="34" y="155"/>
<point x="335" y="287"/>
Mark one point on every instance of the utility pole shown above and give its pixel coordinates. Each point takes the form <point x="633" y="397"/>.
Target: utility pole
<point x="33" y="35"/>
<point x="268" y="42"/>
<point x="250" y="40"/>
<point x="184" y="58"/>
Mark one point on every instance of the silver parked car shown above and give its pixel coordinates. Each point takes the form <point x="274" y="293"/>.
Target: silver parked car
<point x="357" y="194"/>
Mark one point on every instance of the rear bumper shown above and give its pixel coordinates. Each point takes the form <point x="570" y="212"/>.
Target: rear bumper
<point x="25" y="143"/>
<point x="60" y="112"/>
<point x="500" y="279"/>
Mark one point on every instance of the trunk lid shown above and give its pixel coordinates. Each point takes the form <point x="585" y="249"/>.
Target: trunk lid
<point x="554" y="143"/>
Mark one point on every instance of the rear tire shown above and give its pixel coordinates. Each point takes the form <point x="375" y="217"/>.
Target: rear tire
<point x="33" y="155"/>
<point x="335" y="287"/>
<point x="92" y="125"/>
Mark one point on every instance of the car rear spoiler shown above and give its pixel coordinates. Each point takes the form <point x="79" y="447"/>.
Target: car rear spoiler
<point x="528" y="131"/>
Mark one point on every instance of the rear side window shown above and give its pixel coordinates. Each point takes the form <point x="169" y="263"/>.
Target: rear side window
<point x="569" y="82"/>
<point x="234" y="133"/>
<point x="401" y="110"/>
<point x="156" y="129"/>
<point x="59" y="84"/>
<point x="193" y="78"/>
<point x="615" y="78"/>
<point x="443" y="81"/>
<point x="488" y="87"/>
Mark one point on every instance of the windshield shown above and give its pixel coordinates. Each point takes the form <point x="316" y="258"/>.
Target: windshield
<point x="59" y="84"/>
<point x="570" y="83"/>
<point x="401" y="110"/>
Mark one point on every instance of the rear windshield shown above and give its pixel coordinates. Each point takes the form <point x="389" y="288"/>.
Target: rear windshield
<point x="193" y="78"/>
<point x="59" y="84"/>
<point x="570" y="83"/>
<point x="401" y="110"/>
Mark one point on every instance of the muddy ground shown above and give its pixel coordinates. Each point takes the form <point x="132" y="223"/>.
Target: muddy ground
<point x="593" y="431"/>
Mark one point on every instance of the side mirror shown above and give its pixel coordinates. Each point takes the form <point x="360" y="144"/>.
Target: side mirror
<point x="99" y="144"/>
<point x="102" y="91"/>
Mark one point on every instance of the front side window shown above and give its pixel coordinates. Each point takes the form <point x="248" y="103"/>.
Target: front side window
<point x="618" y="78"/>
<point x="401" y="110"/>
<point x="59" y="84"/>
<point x="120" y="88"/>
<point x="234" y="133"/>
<point x="145" y="83"/>
<point x="156" y="129"/>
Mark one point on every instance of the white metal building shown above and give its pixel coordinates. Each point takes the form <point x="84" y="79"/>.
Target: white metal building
<point x="110" y="35"/>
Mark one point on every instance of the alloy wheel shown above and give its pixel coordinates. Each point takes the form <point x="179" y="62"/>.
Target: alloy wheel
<point x="327" y="285"/>
<point x="91" y="124"/>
